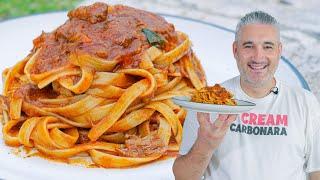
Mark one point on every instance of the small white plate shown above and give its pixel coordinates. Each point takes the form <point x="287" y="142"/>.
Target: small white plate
<point x="242" y="106"/>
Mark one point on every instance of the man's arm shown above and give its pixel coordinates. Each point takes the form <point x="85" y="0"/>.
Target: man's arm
<point x="315" y="175"/>
<point x="210" y="135"/>
<point x="191" y="165"/>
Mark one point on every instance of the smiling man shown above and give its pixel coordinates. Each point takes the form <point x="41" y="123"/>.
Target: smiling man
<point x="278" y="140"/>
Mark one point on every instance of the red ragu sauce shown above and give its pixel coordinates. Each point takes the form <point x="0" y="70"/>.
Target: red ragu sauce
<point x="102" y="31"/>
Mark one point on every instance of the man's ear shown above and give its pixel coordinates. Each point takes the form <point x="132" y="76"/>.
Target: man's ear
<point x="235" y="49"/>
<point x="280" y="48"/>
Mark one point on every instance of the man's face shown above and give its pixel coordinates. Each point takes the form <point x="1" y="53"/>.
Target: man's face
<point x="257" y="52"/>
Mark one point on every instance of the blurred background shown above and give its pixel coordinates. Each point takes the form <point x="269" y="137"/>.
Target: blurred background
<point x="299" y="19"/>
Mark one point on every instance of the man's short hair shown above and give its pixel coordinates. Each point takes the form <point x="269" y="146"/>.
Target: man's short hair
<point x="256" y="17"/>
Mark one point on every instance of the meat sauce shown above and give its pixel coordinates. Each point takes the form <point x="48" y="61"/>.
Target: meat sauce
<point x="107" y="32"/>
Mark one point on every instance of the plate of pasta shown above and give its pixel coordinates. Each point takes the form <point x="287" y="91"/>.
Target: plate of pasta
<point x="98" y="88"/>
<point x="240" y="107"/>
<point x="87" y="94"/>
<point x="213" y="99"/>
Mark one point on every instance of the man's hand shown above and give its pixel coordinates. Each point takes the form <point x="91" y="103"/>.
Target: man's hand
<point x="210" y="135"/>
<point x="315" y="175"/>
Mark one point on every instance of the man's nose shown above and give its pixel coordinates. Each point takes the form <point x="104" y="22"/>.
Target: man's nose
<point x="259" y="53"/>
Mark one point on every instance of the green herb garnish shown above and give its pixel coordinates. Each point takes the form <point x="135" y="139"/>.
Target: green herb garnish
<point x="154" y="39"/>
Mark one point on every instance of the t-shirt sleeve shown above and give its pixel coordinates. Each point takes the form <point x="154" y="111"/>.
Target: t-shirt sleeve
<point x="190" y="132"/>
<point x="313" y="137"/>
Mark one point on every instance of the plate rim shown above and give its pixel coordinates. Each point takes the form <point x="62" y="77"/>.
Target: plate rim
<point x="224" y="109"/>
<point x="252" y="104"/>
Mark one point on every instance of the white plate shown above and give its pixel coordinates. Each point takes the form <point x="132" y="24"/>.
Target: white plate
<point x="242" y="106"/>
<point x="211" y="43"/>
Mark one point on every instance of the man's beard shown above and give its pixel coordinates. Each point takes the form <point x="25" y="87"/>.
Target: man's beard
<point x="256" y="83"/>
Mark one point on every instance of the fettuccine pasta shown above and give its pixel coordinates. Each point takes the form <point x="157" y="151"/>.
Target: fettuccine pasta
<point x="102" y="84"/>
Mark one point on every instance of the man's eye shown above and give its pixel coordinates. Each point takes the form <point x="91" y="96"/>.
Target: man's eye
<point x="268" y="47"/>
<point x="247" y="46"/>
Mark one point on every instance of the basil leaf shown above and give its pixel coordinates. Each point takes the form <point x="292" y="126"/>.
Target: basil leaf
<point x="153" y="38"/>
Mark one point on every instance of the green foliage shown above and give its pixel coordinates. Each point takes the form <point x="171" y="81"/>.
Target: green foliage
<point x="15" y="8"/>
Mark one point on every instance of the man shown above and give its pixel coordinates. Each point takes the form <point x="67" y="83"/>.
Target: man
<point x="278" y="140"/>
